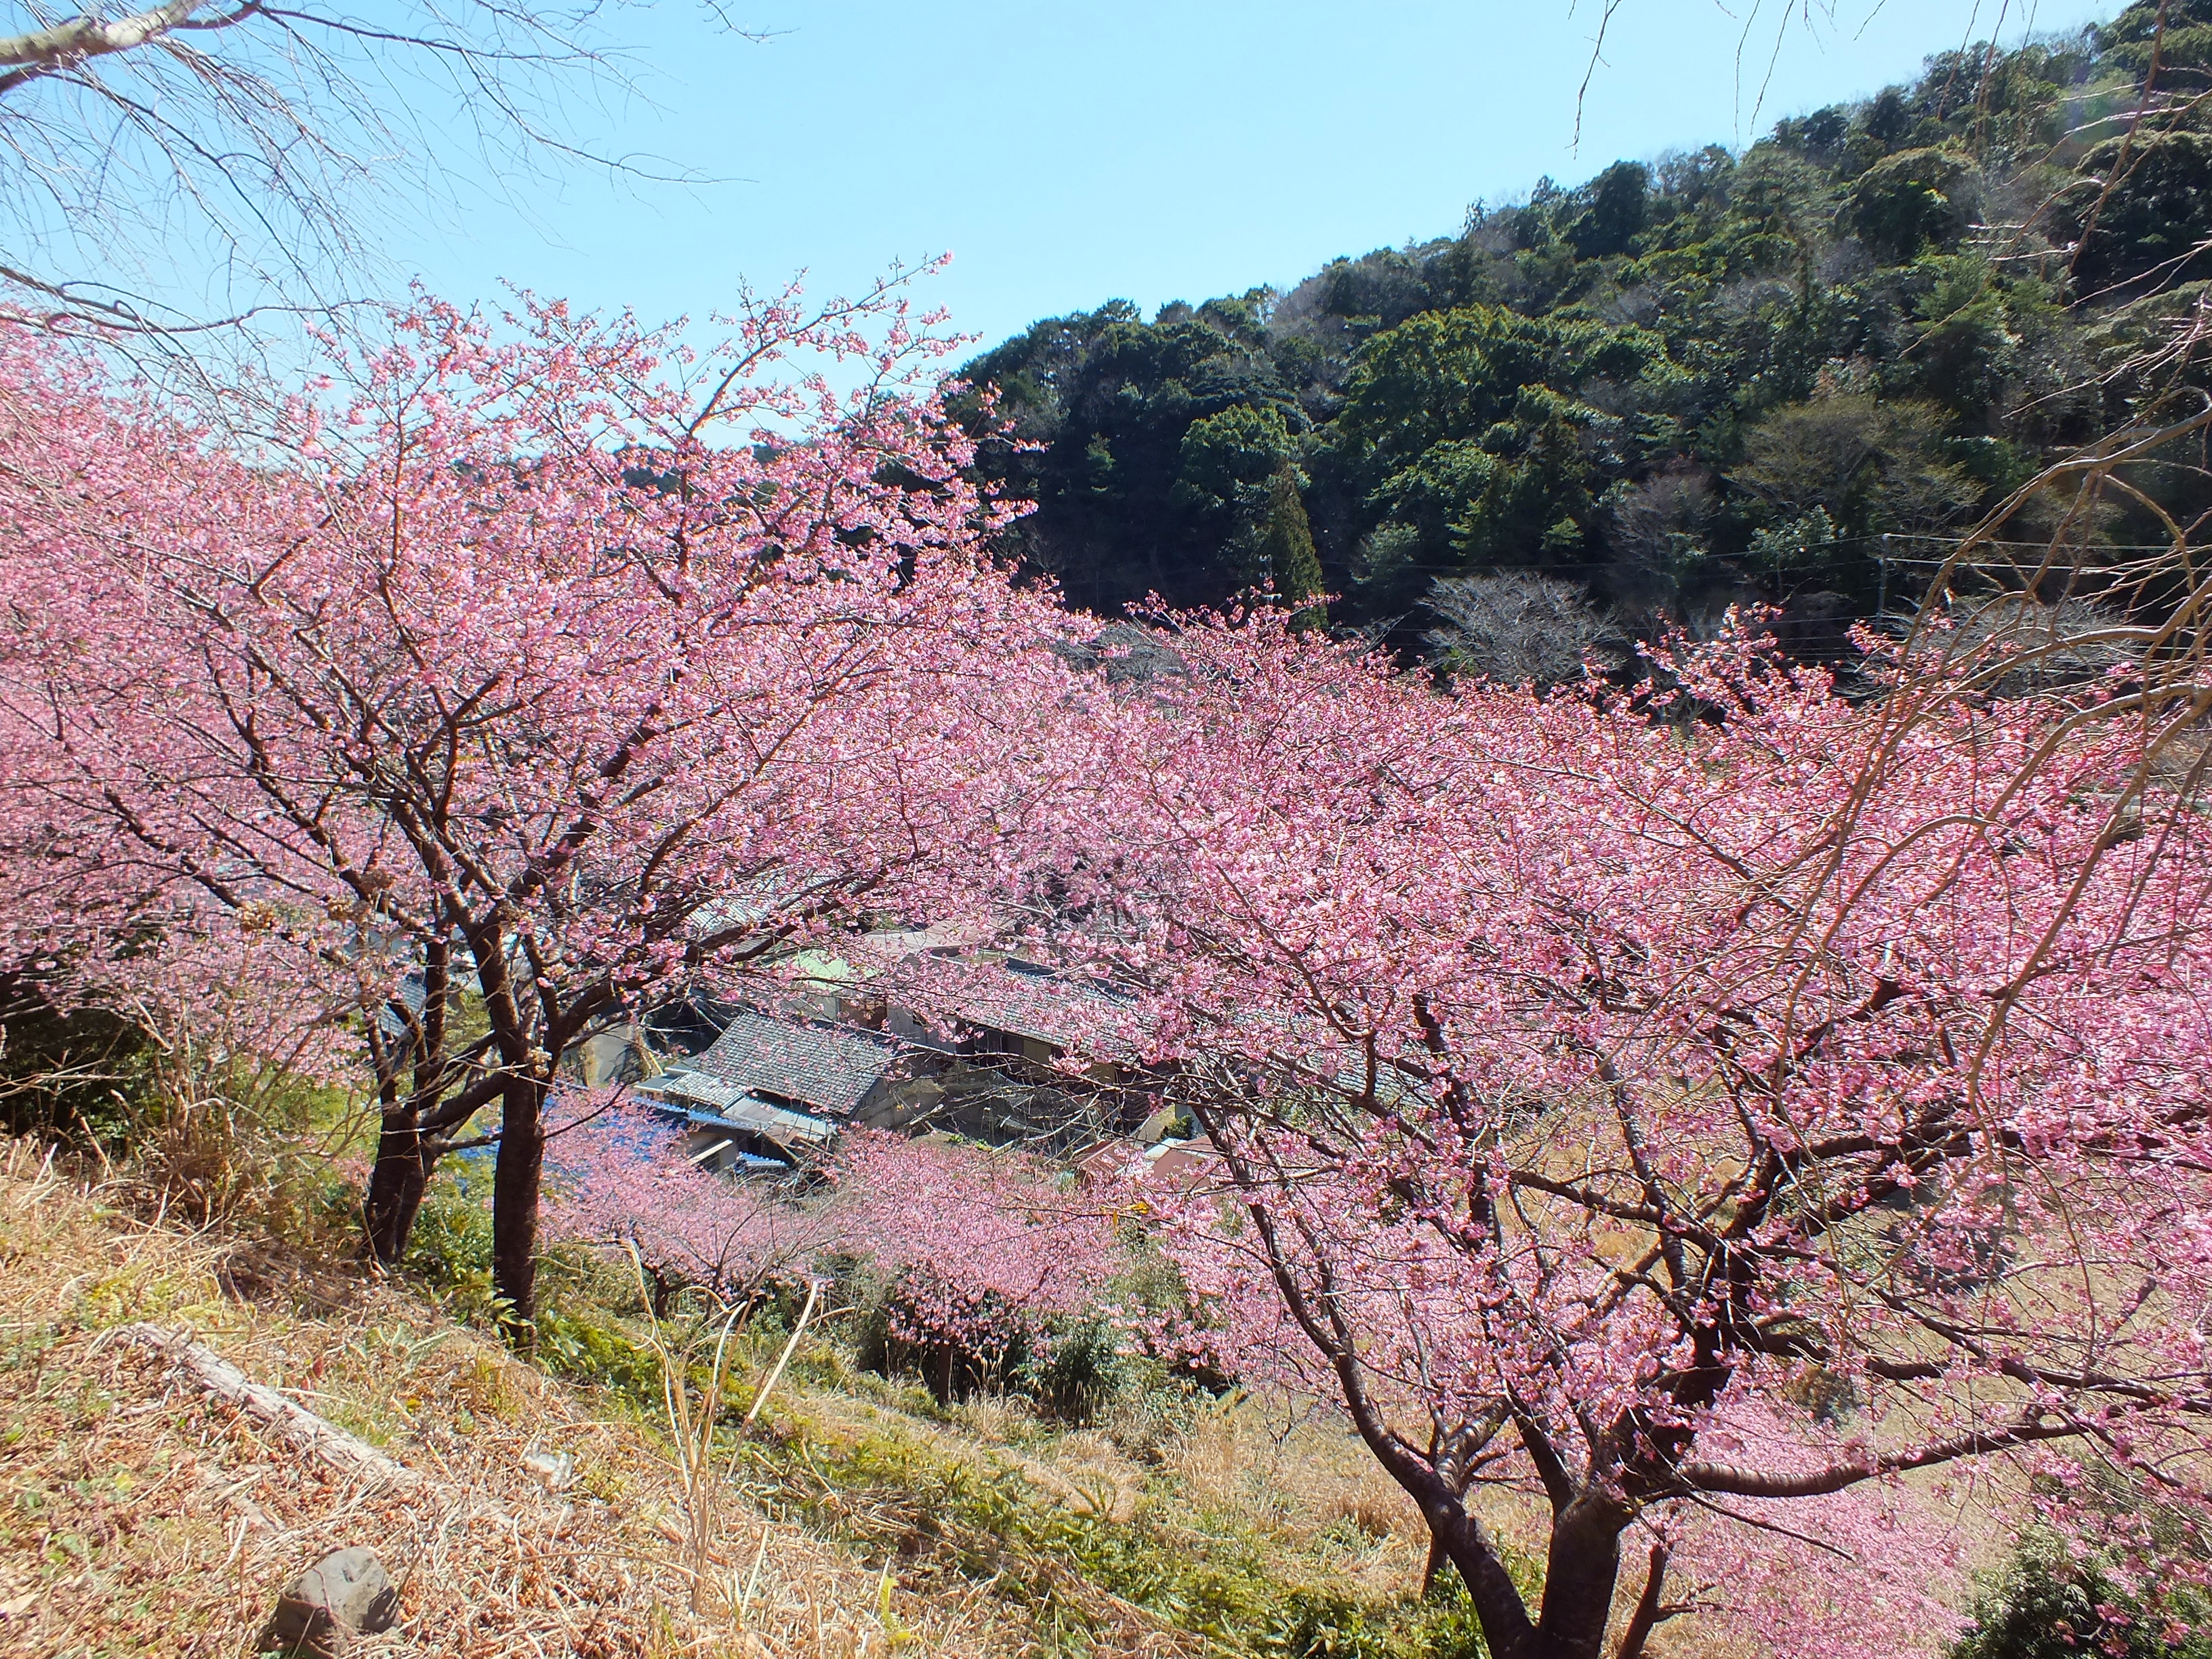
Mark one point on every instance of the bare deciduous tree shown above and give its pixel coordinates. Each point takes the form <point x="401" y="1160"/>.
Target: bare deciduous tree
<point x="235" y="147"/>
<point x="1516" y="627"/>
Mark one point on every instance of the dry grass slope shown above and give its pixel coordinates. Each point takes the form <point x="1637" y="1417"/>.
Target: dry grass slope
<point x="138" y="1515"/>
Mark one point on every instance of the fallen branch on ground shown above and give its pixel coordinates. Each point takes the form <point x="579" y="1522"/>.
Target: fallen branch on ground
<point x="309" y="1432"/>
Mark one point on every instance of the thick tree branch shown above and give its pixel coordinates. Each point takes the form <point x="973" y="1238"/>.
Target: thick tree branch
<point x="64" y="46"/>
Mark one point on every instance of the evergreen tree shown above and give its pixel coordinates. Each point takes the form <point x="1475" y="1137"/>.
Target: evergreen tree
<point x="1894" y="311"/>
<point x="1286" y="547"/>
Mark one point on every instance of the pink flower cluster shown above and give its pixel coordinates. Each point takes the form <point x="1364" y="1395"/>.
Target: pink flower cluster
<point x="618" y="1180"/>
<point x="983" y="1248"/>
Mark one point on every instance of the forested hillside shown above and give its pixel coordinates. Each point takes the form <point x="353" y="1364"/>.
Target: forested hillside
<point x="1720" y="376"/>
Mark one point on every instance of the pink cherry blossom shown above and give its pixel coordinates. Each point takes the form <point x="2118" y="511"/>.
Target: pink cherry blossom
<point x="1595" y="1075"/>
<point x="982" y="1247"/>
<point x="545" y="659"/>
<point x="619" y="1179"/>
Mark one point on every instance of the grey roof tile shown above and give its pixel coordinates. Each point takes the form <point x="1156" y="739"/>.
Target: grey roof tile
<point x="830" y="1067"/>
<point x="1032" y="1001"/>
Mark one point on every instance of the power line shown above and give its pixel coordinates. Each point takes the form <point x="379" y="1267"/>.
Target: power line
<point x="1553" y="567"/>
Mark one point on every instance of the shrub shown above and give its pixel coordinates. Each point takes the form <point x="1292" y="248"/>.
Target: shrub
<point x="1902" y="204"/>
<point x="79" y="1073"/>
<point x="1081" y="1369"/>
<point x="2047" y="1605"/>
<point x="451" y="1246"/>
<point x="581" y="1343"/>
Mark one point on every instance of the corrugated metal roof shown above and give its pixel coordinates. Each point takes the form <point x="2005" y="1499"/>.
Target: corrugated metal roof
<point x="730" y="1110"/>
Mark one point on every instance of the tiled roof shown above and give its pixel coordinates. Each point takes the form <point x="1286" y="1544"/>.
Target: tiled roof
<point x="828" y="1067"/>
<point x="1036" y="1002"/>
<point x="945" y="986"/>
<point x="413" y="995"/>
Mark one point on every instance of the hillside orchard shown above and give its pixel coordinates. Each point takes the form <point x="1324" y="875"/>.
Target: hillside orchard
<point x="1735" y="1118"/>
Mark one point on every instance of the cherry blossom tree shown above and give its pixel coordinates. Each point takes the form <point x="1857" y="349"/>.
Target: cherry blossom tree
<point x="83" y="917"/>
<point x="1712" y="1115"/>
<point x="529" y="671"/>
<point x="620" y="1179"/>
<point x="982" y="1246"/>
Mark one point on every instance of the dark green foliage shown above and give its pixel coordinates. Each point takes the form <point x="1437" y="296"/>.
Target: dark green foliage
<point x="1455" y="374"/>
<point x="2047" y="1605"/>
<point x="1081" y="1371"/>
<point x="895" y="1333"/>
<point x="1647" y="386"/>
<point x="80" y="1073"/>
<point x="1071" y="1369"/>
<point x="1619" y="207"/>
<point x="1968" y="332"/>
<point x="450" y="1245"/>
<point x="1285" y="545"/>
<point x="1905" y="202"/>
<point x="2143" y="213"/>
<point x="1125" y="508"/>
<point x="578" y="1341"/>
<point x="2185" y="49"/>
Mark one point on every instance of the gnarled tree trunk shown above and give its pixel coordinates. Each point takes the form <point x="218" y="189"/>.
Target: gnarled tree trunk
<point x="396" y="1184"/>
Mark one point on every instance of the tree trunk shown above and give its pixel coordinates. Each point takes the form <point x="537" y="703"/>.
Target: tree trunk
<point x="395" y="1187"/>
<point x="515" y="1201"/>
<point x="403" y="1162"/>
<point x="1498" y="1608"/>
<point x="1650" y="1607"/>
<point x="1580" y="1570"/>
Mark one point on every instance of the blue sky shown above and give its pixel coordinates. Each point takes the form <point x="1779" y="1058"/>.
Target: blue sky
<point x="1071" y="154"/>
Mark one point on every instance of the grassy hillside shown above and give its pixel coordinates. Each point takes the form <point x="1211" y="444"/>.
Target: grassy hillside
<point x="857" y="1515"/>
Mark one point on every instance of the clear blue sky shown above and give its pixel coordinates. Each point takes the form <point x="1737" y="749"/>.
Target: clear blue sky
<point x="1069" y="154"/>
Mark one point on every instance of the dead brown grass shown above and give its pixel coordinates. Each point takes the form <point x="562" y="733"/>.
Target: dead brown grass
<point x="1304" y="1473"/>
<point x="138" y="1515"/>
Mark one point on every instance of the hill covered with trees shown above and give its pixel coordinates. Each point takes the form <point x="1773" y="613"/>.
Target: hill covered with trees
<point x="1722" y="376"/>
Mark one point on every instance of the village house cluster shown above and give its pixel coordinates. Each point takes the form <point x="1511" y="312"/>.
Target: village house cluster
<point x="908" y="1029"/>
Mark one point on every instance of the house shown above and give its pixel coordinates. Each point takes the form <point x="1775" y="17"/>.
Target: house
<point x="1023" y="1009"/>
<point x="1178" y="1163"/>
<point x="906" y="1028"/>
<point x="835" y="1072"/>
<point x="780" y="1086"/>
<point x="994" y="1003"/>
